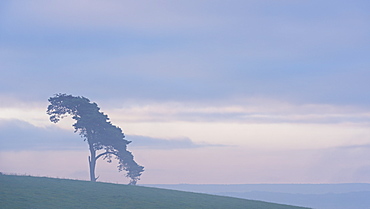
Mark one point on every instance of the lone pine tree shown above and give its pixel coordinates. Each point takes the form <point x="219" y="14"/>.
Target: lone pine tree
<point x="95" y="128"/>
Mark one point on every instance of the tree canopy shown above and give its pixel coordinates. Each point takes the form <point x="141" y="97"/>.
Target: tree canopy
<point x="95" y="128"/>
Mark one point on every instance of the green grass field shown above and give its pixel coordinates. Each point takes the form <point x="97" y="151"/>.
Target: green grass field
<point x="41" y="192"/>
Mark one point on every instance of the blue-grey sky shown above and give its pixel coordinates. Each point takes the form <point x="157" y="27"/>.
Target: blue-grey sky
<point x="251" y="84"/>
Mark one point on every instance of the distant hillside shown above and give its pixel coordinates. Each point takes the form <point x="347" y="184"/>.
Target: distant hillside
<point x="41" y="192"/>
<point x="318" y="196"/>
<point x="351" y="200"/>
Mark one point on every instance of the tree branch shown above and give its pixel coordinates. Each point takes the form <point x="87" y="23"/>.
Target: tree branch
<point x="104" y="153"/>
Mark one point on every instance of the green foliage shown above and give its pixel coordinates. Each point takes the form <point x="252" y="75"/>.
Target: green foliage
<point x="95" y="127"/>
<point x="41" y="192"/>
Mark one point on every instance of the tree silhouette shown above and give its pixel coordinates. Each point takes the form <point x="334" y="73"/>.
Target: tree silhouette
<point x="101" y="135"/>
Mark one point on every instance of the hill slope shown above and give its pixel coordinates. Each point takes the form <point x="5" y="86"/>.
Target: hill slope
<point x="41" y="192"/>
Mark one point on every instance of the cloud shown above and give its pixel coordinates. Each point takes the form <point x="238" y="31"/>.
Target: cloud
<point x="17" y="135"/>
<point x="347" y="163"/>
<point x="361" y="147"/>
<point x="82" y="14"/>
<point x="186" y="51"/>
<point x="241" y="111"/>
<point x="145" y="142"/>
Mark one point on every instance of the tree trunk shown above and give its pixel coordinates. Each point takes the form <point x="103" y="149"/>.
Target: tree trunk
<point x="92" y="163"/>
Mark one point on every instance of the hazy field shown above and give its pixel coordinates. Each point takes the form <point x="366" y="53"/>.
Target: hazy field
<point x="41" y="192"/>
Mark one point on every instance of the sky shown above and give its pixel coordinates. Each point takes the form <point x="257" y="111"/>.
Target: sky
<point x="209" y="92"/>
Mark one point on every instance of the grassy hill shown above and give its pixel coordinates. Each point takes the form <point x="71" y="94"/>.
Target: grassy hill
<point x="41" y="192"/>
